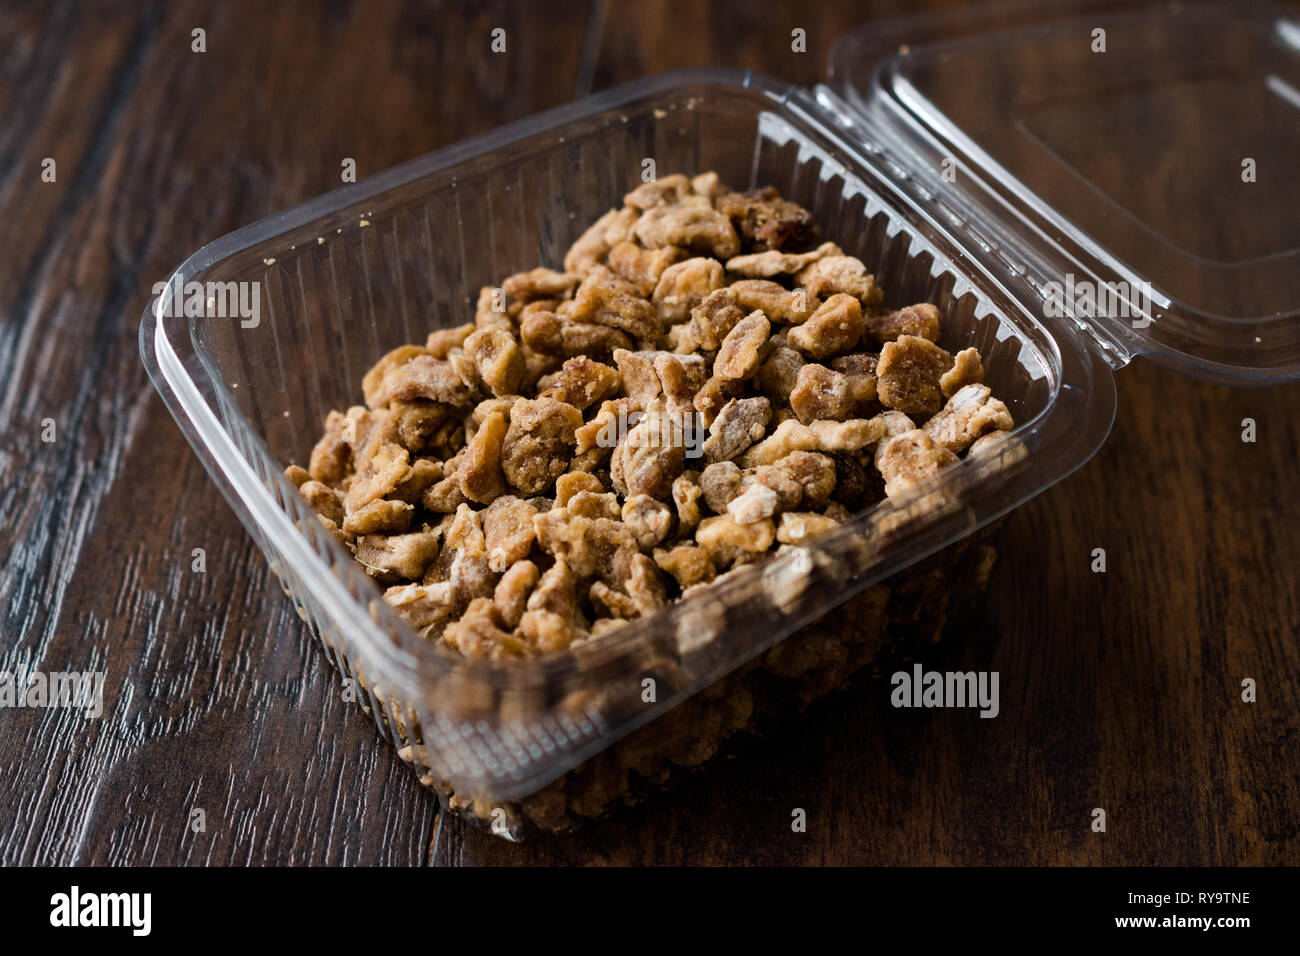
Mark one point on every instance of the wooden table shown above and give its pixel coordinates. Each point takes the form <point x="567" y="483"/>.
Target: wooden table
<point x="1119" y="690"/>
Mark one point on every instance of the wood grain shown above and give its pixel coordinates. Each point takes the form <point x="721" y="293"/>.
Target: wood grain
<point x="214" y="698"/>
<point x="1118" y="690"/>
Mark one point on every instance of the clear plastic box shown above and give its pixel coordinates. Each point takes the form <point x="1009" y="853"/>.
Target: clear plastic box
<point x="354" y="273"/>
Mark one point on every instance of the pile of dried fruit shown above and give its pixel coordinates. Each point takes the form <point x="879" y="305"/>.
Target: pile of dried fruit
<point x="703" y="382"/>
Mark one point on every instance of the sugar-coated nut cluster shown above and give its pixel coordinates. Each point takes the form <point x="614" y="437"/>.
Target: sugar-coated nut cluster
<point x="704" y="382"/>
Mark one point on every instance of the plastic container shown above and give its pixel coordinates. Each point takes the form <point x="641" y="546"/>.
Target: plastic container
<point x="354" y="273"/>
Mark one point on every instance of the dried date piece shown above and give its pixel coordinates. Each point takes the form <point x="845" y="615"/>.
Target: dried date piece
<point x="969" y="414"/>
<point x="798" y="526"/>
<point x="508" y="533"/>
<point x="779" y="374"/>
<point x="668" y="191"/>
<point x="543" y="332"/>
<point x="480" y="476"/>
<point x="821" y="393"/>
<point x="688" y="564"/>
<point x="700" y="229"/>
<point x="967" y="369"/>
<point x="642" y="267"/>
<point x="908" y="375"/>
<point x="539" y="443"/>
<point x="755" y="503"/>
<point x="860" y="371"/>
<point x="789" y="436"/>
<point x="919" y="320"/>
<point x="651" y="457"/>
<point x="719" y="484"/>
<point x="639" y="379"/>
<point x="765" y="265"/>
<point x="910" y="459"/>
<point x="424" y="377"/>
<point x="442" y="341"/>
<point x="497" y="359"/>
<point x="397" y="556"/>
<point x="332" y="455"/>
<point x="539" y="284"/>
<point x="686" y="498"/>
<point x="778" y="303"/>
<point x="766" y="221"/>
<point x="382" y="515"/>
<point x="835" y="328"/>
<point x="840" y="275"/>
<point x="713" y="319"/>
<point x="848" y="436"/>
<point x="581" y="383"/>
<point x="738" y="355"/>
<point x="726" y="539"/>
<point x="648" y="519"/>
<point x="605" y="299"/>
<point x="593" y="245"/>
<point x="739" y="424"/>
<point x="512" y="591"/>
<point x="684" y="285"/>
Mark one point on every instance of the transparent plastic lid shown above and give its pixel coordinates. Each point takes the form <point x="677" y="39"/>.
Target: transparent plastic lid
<point x="1179" y="236"/>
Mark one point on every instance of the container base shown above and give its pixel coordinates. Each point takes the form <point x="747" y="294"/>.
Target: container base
<point x="891" y="622"/>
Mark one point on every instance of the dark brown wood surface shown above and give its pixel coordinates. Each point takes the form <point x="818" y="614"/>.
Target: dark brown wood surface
<point x="1119" y="690"/>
